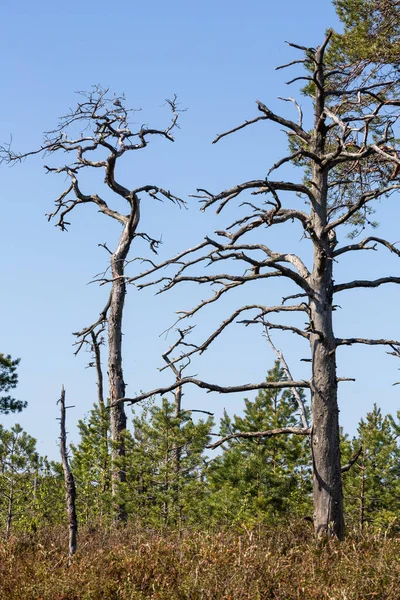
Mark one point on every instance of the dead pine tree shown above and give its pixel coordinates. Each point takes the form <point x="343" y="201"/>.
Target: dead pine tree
<point x="70" y="490"/>
<point x="96" y="135"/>
<point x="347" y="158"/>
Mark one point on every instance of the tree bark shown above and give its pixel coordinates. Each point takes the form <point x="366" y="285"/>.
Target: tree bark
<point x="102" y="408"/>
<point x="177" y="452"/>
<point x="325" y="438"/>
<point x="70" y="490"/>
<point x="115" y="372"/>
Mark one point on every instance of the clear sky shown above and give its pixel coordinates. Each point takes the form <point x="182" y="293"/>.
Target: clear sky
<point x="219" y="57"/>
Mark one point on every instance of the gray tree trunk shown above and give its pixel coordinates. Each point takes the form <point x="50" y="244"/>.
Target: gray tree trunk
<point x="325" y="439"/>
<point x="102" y="408"/>
<point x="115" y="373"/>
<point x="70" y="490"/>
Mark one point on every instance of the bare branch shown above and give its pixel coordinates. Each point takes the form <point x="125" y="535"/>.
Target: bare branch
<point x="364" y="199"/>
<point x="261" y="434"/>
<point x="352" y="461"/>
<point x="296" y="330"/>
<point x="363" y="246"/>
<point x="200" y="348"/>
<point x="293" y="62"/>
<point x="210" y="387"/>
<point x="88" y="330"/>
<point x="238" y="128"/>
<point x="365" y="283"/>
<point x="262" y="185"/>
<point x="268" y="115"/>
<point x="171" y="261"/>
<point x="299" y="399"/>
<point x="370" y="342"/>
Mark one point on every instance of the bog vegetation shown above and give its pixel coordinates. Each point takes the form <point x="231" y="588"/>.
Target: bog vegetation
<point x="169" y="503"/>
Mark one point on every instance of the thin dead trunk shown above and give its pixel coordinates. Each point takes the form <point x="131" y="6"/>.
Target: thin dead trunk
<point x="362" y="494"/>
<point x="177" y="457"/>
<point x="70" y="490"/>
<point x="10" y="509"/>
<point x="166" y="485"/>
<point x="97" y="363"/>
<point x="102" y="408"/>
<point x="177" y="450"/>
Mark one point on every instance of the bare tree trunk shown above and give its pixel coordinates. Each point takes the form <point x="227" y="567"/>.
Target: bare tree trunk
<point x="115" y="373"/>
<point x="70" y="490"/>
<point x="325" y="442"/>
<point x="97" y="363"/>
<point x="325" y="438"/>
<point x="177" y="454"/>
<point x="177" y="451"/>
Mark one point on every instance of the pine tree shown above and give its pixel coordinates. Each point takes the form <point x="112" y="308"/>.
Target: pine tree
<point x="19" y="463"/>
<point x="166" y="491"/>
<point x="91" y="467"/>
<point x="264" y="478"/>
<point x="372" y="485"/>
<point x="9" y="381"/>
<point x="46" y="505"/>
<point x="371" y="30"/>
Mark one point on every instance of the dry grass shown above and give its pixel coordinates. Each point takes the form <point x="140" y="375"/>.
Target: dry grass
<point x="282" y="564"/>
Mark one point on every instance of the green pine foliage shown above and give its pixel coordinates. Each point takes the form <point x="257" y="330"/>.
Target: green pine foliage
<point x="173" y="484"/>
<point x="262" y="479"/>
<point x="9" y="381"/>
<point x="371" y="30"/>
<point x="372" y="485"/>
<point x="91" y="467"/>
<point x="47" y="505"/>
<point x="19" y="465"/>
<point x="166" y="466"/>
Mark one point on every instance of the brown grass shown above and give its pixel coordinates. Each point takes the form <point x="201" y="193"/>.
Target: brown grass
<point x="281" y="564"/>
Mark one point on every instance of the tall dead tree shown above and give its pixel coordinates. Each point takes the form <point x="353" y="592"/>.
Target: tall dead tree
<point x="96" y="134"/>
<point x="349" y="159"/>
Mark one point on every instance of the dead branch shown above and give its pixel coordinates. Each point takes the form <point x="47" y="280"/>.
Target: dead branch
<point x="368" y="342"/>
<point x="363" y="245"/>
<point x="85" y="333"/>
<point x="97" y="340"/>
<point x="211" y="387"/>
<point x="352" y="461"/>
<point x="365" y="283"/>
<point x="295" y="391"/>
<point x="264" y="310"/>
<point x="260" y="434"/>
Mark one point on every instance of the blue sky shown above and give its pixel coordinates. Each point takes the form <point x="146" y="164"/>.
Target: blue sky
<point x="219" y="57"/>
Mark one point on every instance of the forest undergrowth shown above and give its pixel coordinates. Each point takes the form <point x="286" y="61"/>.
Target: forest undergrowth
<point x="131" y="563"/>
